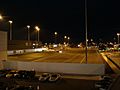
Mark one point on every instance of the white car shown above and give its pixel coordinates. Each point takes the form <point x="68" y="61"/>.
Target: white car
<point x="54" y="77"/>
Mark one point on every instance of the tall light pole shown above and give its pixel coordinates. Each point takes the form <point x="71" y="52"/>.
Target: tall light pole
<point x="10" y="29"/>
<point x="86" y="54"/>
<point x="28" y="28"/>
<point x="38" y="29"/>
<point x="118" y="34"/>
<point x="55" y="37"/>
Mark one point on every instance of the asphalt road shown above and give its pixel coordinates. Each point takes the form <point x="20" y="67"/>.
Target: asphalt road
<point x="71" y="55"/>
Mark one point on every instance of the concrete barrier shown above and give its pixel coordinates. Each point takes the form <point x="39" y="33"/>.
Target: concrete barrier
<point x="67" y="68"/>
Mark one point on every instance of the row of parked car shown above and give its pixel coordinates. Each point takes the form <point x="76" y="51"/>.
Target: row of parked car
<point x="23" y="74"/>
<point x="51" y="77"/>
<point x="104" y="83"/>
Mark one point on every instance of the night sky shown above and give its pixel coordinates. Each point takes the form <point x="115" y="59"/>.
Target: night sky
<point x="63" y="16"/>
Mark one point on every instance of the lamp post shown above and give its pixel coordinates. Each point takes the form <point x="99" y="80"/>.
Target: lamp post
<point x="86" y="54"/>
<point x="10" y="29"/>
<point x="55" y="37"/>
<point x="28" y="27"/>
<point x="38" y="29"/>
<point x="118" y="34"/>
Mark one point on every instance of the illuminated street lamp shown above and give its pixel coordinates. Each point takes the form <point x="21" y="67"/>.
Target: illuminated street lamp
<point x="65" y="37"/>
<point x="38" y="29"/>
<point x="28" y="27"/>
<point x="118" y="34"/>
<point x="56" y="37"/>
<point x="10" y="29"/>
<point x="1" y="17"/>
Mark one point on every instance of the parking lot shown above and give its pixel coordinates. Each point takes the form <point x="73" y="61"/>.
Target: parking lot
<point x="11" y="79"/>
<point x="63" y="84"/>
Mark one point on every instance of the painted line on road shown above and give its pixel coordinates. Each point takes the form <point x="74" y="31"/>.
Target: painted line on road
<point x="111" y="64"/>
<point x="82" y="59"/>
<point x="44" y="58"/>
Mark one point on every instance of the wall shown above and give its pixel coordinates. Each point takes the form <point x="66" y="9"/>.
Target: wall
<point x="68" y="68"/>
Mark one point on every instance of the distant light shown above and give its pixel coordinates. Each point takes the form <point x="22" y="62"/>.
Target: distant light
<point x="33" y="44"/>
<point x="68" y="38"/>
<point x="91" y="40"/>
<point x="55" y="33"/>
<point x="28" y="26"/>
<point x="118" y="34"/>
<point x="38" y="50"/>
<point x="55" y="45"/>
<point x="65" y="45"/>
<point x="60" y="51"/>
<point x="79" y="45"/>
<point x="37" y="44"/>
<point x="65" y="36"/>
<point x="1" y="17"/>
<point x="37" y="28"/>
<point x="10" y="21"/>
<point x="44" y="49"/>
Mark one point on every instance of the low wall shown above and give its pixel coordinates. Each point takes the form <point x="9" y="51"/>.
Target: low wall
<point x="67" y="68"/>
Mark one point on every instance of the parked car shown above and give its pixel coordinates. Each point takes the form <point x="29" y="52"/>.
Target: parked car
<point x="44" y="77"/>
<point x="23" y="74"/>
<point x="4" y="72"/>
<point x="107" y="78"/>
<point x="12" y="74"/>
<point x="54" y="77"/>
<point x="104" y="83"/>
<point x="24" y="88"/>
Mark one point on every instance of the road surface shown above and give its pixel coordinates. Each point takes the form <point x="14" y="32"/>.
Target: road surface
<point x="71" y="55"/>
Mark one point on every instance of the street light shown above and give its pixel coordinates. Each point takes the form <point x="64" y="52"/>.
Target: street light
<point x="38" y="29"/>
<point x="10" y="29"/>
<point x="28" y="27"/>
<point x="118" y="34"/>
<point x="56" y="37"/>
<point x="65" y="37"/>
<point x="1" y="17"/>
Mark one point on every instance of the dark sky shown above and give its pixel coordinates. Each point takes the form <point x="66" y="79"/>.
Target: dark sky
<point x="64" y="16"/>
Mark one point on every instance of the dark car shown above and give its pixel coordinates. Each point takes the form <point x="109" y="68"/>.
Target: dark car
<point x="24" y="88"/>
<point x="54" y="77"/>
<point x="4" y="72"/>
<point x="22" y="74"/>
<point x="12" y="74"/>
